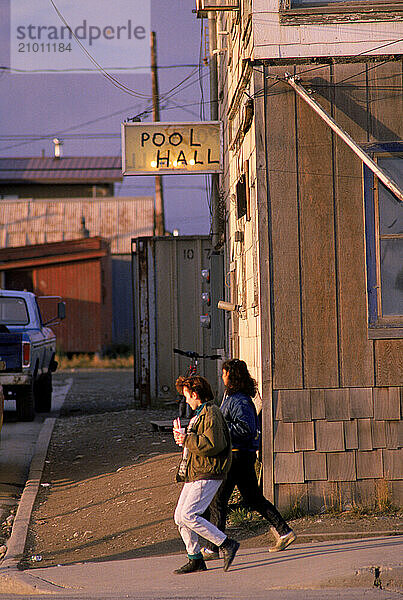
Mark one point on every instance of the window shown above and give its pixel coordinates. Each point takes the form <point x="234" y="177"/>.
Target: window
<point x="243" y="194"/>
<point x="330" y="11"/>
<point x="384" y="237"/>
<point x="13" y="311"/>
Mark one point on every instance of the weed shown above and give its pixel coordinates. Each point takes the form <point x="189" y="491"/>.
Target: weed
<point x="333" y="503"/>
<point x="296" y="510"/>
<point x="380" y="503"/>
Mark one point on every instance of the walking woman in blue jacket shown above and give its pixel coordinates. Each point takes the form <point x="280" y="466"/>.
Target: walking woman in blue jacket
<point x="240" y="414"/>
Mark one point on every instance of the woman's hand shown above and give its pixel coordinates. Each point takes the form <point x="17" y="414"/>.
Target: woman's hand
<point x="179" y="437"/>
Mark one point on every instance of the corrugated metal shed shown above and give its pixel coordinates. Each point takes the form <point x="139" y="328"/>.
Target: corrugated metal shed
<point x="39" y="221"/>
<point x="88" y="169"/>
<point x="80" y="272"/>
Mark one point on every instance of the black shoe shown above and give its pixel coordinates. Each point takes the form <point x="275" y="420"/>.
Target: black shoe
<point x="194" y="564"/>
<point x="229" y="549"/>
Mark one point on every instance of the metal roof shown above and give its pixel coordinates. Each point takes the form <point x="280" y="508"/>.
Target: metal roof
<point x="25" y="222"/>
<point x="88" y="169"/>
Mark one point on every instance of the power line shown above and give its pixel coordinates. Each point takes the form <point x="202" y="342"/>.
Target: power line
<point x="89" y="70"/>
<point x="144" y="112"/>
<point x="115" y="82"/>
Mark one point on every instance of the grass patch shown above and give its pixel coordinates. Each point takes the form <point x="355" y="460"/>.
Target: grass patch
<point x="94" y="361"/>
<point x="243" y="518"/>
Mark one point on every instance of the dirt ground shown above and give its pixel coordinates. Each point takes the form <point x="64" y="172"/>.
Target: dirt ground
<point x="108" y="489"/>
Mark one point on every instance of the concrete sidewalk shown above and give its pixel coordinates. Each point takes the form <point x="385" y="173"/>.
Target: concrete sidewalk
<point x="363" y="564"/>
<point x="369" y="563"/>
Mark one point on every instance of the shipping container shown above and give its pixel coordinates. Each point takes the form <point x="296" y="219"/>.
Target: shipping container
<point x="167" y="305"/>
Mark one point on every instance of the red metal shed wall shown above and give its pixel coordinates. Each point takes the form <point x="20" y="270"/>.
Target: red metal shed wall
<point x="85" y="287"/>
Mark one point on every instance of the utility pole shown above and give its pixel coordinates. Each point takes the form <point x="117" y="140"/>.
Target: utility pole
<point x="159" y="215"/>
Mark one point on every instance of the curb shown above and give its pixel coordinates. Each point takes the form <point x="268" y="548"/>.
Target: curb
<point x="13" y="580"/>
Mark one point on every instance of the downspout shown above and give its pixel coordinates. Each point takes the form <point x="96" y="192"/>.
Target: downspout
<point x="216" y="238"/>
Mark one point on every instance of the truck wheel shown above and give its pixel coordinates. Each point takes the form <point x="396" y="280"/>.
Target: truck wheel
<point x="25" y="403"/>
<point x="43" y="393"/>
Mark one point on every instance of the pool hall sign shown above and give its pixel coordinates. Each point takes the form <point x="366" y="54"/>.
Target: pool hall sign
<point x="171" y="148"/>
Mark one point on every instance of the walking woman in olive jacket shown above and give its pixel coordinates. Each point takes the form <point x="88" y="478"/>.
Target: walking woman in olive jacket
<point x="205" y="463"/>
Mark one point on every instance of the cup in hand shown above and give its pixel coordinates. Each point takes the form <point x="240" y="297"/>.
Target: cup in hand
<point x="181" y="430"/>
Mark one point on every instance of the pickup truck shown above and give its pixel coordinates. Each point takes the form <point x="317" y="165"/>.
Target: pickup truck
<point x="27" y="353"/>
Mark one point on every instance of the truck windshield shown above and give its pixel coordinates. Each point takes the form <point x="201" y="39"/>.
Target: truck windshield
<point x="13" y="311"/>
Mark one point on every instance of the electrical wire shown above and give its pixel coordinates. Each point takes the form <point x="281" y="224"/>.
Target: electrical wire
<point x="145" y="112"/>
<point x="262" y="92"/>
<point x="88" y="70"/>
<point x="113" y="80"/>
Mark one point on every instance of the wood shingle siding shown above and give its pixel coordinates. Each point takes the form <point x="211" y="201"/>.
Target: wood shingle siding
<point x="386" y="403"/>
<point x="351" y="434"/>
<point x="324" y="442"/>
<point x="304" y="436"/>
<point x="295" y="405"/>
<point x="364" y="434"/>
<point x="337" y="405"/>
<point x="378" y="434"/>
<point x="394" y="434"/>
<point x="361" y="403"/>
<point x="341" y="466"/>
<point x="315" y="466"/>
<point x="393" y="464"/>
<point x="318" y="404"/>
<point x="369" y="464"/>
<point x="289" y="467"/>
<point x="283" y="437"/>
<point x="329" y="436"/>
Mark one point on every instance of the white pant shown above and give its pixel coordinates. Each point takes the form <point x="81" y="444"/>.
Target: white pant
<point x="193" y="501"/>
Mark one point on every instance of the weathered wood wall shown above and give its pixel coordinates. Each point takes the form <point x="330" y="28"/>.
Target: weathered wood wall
<point x="337" y="392"/>
<point x="318" y="230"/>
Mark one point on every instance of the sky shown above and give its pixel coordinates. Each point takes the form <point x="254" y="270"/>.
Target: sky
<point x="85" y="109"/>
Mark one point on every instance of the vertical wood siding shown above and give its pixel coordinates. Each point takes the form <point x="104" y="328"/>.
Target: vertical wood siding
<point x="320" y="334"/>
<point x="283" y="183"/>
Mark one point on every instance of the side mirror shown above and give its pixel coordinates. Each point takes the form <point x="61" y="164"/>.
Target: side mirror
<point x="61" y="310"/>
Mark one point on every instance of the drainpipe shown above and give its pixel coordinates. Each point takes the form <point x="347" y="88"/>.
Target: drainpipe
<point x="215" y="221"/>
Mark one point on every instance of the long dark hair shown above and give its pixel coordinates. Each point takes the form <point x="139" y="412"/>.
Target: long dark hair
<point x="239" y="379"/>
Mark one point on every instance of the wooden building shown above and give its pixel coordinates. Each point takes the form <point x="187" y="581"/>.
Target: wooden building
<point x="80" y="272"/>
<point x="53" y="177"/>
<point x="45" y="200"/>
<point x="314" y="243"/>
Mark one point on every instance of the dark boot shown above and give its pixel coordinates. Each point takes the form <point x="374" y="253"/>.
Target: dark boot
<point x="194" y="564"/>
<point x="229" y="548"/>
